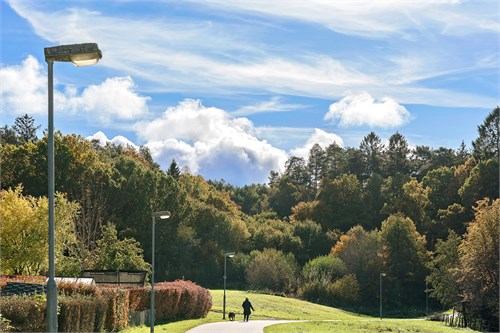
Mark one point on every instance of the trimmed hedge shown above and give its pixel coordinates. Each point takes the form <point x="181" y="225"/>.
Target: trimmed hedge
<point x="26" y="313"/>
<point x="84" y="308"/>
<point x="173" y="300"/>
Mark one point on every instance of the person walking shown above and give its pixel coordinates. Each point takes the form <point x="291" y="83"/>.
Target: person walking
<point x="246" y="309"/>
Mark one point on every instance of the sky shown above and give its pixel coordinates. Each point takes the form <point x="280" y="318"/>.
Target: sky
<point x="231" y="89"/>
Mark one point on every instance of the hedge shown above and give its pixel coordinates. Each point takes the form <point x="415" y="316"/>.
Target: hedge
<point x="84" y="308"/>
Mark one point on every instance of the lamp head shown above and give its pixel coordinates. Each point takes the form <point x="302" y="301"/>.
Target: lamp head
<point x="79" y="54"/>
<point x="383" y="274"/>
<point x="229" y="254"/>
<point x="163" y="215"/>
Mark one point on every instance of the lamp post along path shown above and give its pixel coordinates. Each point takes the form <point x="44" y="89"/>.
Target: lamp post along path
<point x="230" y="255"/>
<point x="80" y="55"/>
<point x="163" y="216"/>
<point x="381" y="275"/>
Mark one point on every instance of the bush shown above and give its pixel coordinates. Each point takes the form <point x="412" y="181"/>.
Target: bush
<point x="345" y="291"/>
<point x="21" y="278"/>
<point x="25" y="313"/>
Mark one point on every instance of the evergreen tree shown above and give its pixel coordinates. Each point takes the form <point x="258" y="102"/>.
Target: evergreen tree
<point x="25" y="128"/>
<point x="372" y="149"/>
<point x="397" y="155"/>
<point x="173" y="170"/>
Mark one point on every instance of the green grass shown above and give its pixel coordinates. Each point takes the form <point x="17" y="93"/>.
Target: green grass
<point x="365" y="326"/>
<point x="275" y="307"/>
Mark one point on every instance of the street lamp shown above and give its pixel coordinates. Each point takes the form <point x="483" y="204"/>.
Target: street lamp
<point x="426" y="298"/>
<point x="230" y="255"/>
<point x="80" y="55"/>
<point x="162" y="216"/>
<point x="381" y="275"/>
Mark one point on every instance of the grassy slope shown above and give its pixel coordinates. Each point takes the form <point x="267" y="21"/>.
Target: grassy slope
<point x="365" y="326"/>
<point x="275" y="307"/>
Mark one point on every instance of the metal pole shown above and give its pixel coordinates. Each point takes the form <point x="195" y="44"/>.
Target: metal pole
<point x="51" y="284"/>
<point x="152" y="309"/>
<point x="225" y="277"/>
<point x="381" y="296"/>
<point x="426" y="300"/>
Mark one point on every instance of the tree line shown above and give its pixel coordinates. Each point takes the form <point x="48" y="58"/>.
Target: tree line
<point x="324" y="229"/>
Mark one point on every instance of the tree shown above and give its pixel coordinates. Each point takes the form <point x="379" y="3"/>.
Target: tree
<point x="405" y="258"/>
<point x="360" y="251"/>
<point x="114" y="254"/>
<point x="315" y="166"/>
<point x="25" y="128"/>
<point x="443" y="267"/>
<point x="482" y="182"/>
<point x="173" y="170"/>
<point x="340" y="203"/>
<point x="479" y="257"/>
<point x="486" y="145"/>
<point x="284" y="195"/>
<point x="397" y="155"/>
<point x="334" y="161"/>
<point x="272" y="270"/>
<point x="372" y="149"/>
<point x="7" y="135"/>
<point x="24" y="232"/>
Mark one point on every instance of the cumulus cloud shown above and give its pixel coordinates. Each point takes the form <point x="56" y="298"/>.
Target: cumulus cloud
<point x="211" y="142"/>
<point x="118" y="140"/>
<point x="324" y="139"/>
<point x="24" y="91"/>
<point x="363" y="110"/>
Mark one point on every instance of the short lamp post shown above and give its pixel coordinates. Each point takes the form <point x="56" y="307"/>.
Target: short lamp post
<point x="226" y="255"/>
<point x="381" y="275"/>
<point x="426" y="298"/>
<point x="80" y="55"/>
<point x="162" y="216"/>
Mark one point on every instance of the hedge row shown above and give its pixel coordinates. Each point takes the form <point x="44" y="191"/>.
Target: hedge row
<point x="91" y="309"/>
<point x="173" y="300"/>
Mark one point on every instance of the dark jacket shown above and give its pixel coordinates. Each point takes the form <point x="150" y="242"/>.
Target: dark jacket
<point x="247" y="306"/>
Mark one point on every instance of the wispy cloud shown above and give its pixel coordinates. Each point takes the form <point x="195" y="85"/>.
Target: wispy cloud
<point x="275" y="104"/>
<point x="377" y="19"/>
<point x="363" y="109"/>
<point x="184" y="55"/>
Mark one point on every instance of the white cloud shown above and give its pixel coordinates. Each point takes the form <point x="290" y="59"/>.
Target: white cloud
<point x="115" y="98"/>
<point x="273" y="105"/>
<point x="118" y="140"/>
<point x="210" y="142"/>
<point x="324" y="139"/>
<point x="24" y="91"/>
<point x="363" y="109"/>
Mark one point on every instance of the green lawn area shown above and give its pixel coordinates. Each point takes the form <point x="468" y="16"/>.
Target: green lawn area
<point x="275" y="307"/>
<point x="365" y="326"/>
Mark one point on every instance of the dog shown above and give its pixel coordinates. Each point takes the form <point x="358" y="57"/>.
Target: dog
<point x="232" y="316"/>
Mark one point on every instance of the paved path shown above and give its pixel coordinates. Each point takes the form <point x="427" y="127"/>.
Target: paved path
<point x="252" y="326"/>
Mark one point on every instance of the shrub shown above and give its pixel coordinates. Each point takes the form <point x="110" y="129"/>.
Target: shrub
<point x="21" y="278"/>
<point x="25" y="313"/>
<point x="345" y="291"/>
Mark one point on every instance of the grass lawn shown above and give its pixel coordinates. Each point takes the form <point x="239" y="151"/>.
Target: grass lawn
<point x="275" y="307"/>
<point x="365" y="326"/>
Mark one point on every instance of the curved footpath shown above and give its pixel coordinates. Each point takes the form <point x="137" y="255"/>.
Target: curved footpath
<point x="252" y="326"/>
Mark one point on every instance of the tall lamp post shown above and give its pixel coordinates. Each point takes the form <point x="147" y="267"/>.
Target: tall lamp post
<point x="230" y="255"/>
<point x="381" y="275"/>
<point x="162" y="216"/>
<point x="80" y="55"/>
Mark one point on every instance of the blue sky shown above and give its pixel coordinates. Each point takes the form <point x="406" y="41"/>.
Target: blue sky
<point x="231" y="89"/>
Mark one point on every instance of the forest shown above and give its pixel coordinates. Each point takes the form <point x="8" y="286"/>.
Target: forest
<point x="326" y="229"/>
